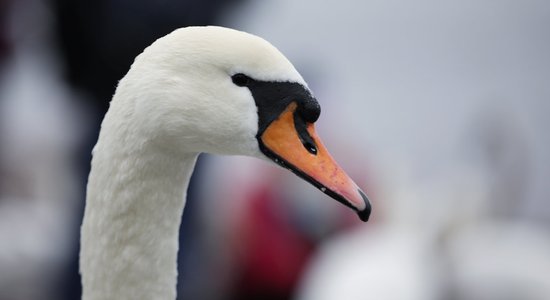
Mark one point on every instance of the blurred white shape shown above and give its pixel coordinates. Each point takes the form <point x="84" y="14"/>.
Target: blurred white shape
<point x="372" y="264"/>
<point x="39" y="128"/>
<point x="485" y="256"/>
<point x="38" y="133"/>
<point x="500" y="260"/>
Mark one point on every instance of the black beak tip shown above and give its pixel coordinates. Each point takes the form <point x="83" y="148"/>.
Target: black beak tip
<point x="365" y="213"/>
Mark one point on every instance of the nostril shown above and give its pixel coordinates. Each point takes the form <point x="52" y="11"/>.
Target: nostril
<point x="301" y="123"/>
<point x="310" y="148"/>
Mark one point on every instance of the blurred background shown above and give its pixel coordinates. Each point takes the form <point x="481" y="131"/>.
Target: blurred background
<point x="438" y="109"/>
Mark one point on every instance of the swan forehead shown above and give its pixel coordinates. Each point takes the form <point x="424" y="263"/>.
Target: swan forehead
<point x="232" y="51"/>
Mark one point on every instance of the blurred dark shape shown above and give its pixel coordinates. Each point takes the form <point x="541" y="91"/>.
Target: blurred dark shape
<point x="4" y="40"/>
<point x="100" y="39"/>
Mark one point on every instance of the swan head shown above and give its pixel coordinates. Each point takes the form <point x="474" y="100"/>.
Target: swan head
<point x="223" y="91"/>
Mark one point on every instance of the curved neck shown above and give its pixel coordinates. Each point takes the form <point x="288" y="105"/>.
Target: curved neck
<point x="129" y="236"/>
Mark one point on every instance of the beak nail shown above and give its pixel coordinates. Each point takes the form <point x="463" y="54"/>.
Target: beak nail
<point x="365" y="213"/>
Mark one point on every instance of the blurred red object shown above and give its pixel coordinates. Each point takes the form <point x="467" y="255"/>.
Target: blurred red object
<point x="273" y="252"/>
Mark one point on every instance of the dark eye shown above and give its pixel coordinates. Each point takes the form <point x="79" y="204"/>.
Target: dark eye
<point x="240" y="79"/>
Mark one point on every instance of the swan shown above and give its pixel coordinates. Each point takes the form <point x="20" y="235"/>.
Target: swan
<point x="197" y="89"/>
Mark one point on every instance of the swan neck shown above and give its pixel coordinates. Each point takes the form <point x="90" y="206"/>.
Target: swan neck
<point x="129" y="236"/>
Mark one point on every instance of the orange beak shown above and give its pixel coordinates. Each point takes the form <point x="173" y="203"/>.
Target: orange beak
<point x="311" y="160"/>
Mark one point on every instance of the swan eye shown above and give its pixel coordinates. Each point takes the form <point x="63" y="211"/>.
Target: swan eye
<point x="240" y="79"/>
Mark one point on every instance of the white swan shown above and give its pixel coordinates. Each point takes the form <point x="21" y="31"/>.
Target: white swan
<point x="198" y="89"/>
